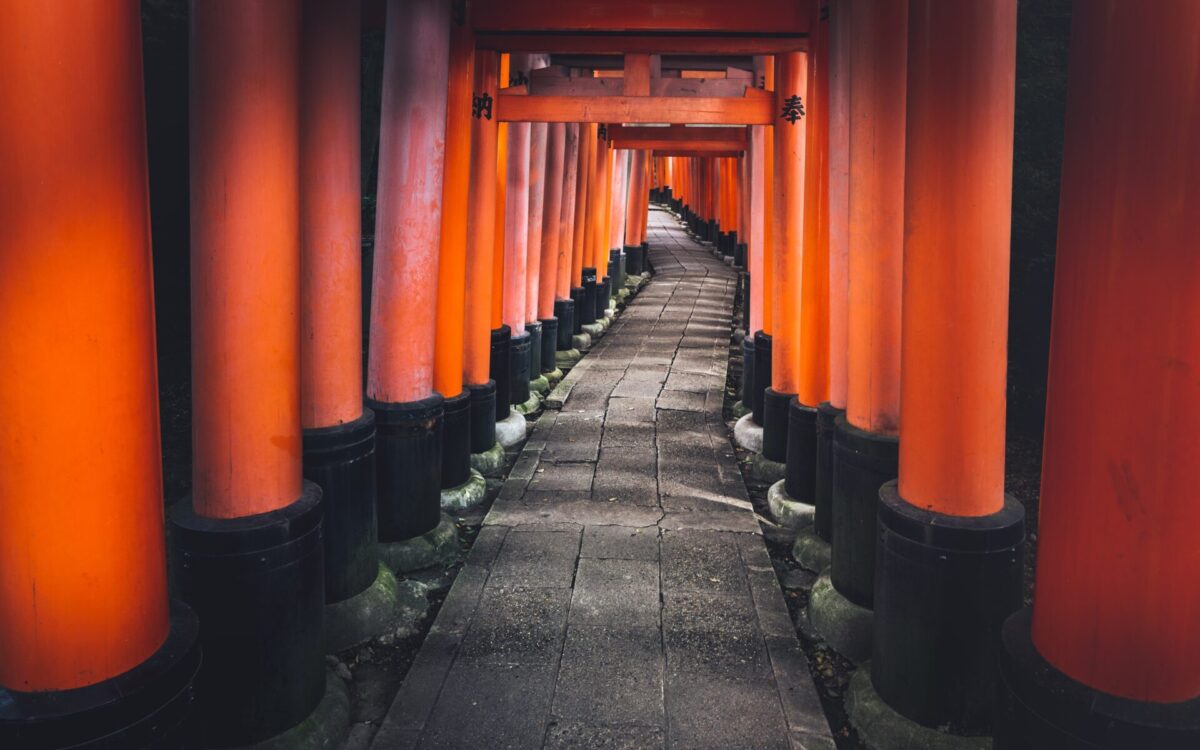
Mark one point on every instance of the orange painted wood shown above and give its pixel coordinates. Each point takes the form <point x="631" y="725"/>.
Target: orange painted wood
<point x="83" y="576"/>
<point x="839" y="200"/>
<point x="498" y="265"/>
<point x="750" y="110"/>
<point x="764" y="70"/>
<point x="958" y="194"/>
<point x="674" y="135"/>
<point x="245" y="207"/>
<point x="1116" y="602"/>
<point x="552" y="218"/>
<point x="452" y="256"/>
<point x="637" y="74"/>
<point x="877" y="82"/>
<point x="790" y="139"/>
<point x="481" y="228"/>
<point x="537" y="197"/>
<point x="330" y="216"/>
<point x="516" y="226"/>
<point x="566" y="227"/>
<point x="814" y="294"/>
<point x="765" y="17"/>
<point x="412" y="155"/>
<point x="648" y="43"/>
<point x="755" y="239"/>
<point x="637" y="186"/>
<point x="584" y="186"/>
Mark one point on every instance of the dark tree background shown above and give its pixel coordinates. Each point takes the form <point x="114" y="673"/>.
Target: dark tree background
<point x="1043" y="31"/>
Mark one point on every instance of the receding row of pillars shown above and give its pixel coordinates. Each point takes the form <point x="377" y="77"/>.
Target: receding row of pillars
<point x="497" y="249"/>
<point x="876" y="356"/>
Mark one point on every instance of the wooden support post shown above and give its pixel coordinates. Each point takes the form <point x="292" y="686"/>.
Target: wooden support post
<point x="1115" y="607"/>
<point x="83" y="592"/>
<point x="481" y="224"/>
<point x="551" y="231"/>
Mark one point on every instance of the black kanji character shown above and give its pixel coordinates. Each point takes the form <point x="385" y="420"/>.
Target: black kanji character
<point x="481" y="106"/>
<point x="793" y="109"/>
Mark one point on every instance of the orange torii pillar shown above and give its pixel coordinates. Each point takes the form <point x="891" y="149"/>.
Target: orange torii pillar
<point x="795" y="504"/>
<point x="635" y="254"/>
<point x="753" y="380"/>
<point x="516" y="257"/>
<point x="1107" y="657"/>
<point x="564" y="301"/>
<point x="488" y="400"/>
<point x="762" y="142"/>
<point x="91" y="651"/>
<point x="500" y="347"/>
<point x="548" y="315"/>
<point x="594" y="233"/>
<point x="790" y="137"/>
<point x="949" y="556"/>
<point x="616" y="223"/>
<point x="811" y="548"/>
<point x="248" y="542"/>
<point x="585" y="302"/>
<point x="339" y="434"/>
<point x="603" y="214"/>
<point x="460" y="441"/>
<point x="538" y="152"/>
<point x="423" y="434"/>
<point x="866" y="438"/>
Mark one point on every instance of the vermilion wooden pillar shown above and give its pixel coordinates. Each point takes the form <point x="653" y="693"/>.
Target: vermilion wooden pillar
<point x="516" y="249"/>
<point x="866" y="438"/>
<point x="459" y="438"/>
<point x="83" y="577"/>
<point x="635" y="258"/>
<point x="481" y="227"/>
<point x="499" y="359"/>
<point x="1110" y="657"/>
<point x="339" y="434"/>
<point x="788" y="144"/>
<point x="423" y="434"/>
<point x="813" y="386"/>
<point x="249" y="502"/>
<point x="564" y="304"/>
<point x="585" y="314"/>
<point x="551" y="231"/>
<point x="538" y="154"/>
<point x="949" y="553"/>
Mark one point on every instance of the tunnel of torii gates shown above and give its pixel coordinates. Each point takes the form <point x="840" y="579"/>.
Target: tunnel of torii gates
<point x="854" y="158"/>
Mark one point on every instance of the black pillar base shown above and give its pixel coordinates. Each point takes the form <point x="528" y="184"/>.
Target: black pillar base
<point x="147" y="708"/>
<point x="456" y="440"/>
<point x="943" y="587"/>
<point x="633" y="259"/>
<point x="712" y="230"/>
<point x="762" y="374"/>
<point x="500" y="369"/>
<point x="483" y="416"/>
<point x="341" y="461"/>
<point x="862" y="462"/>
<point x="747" y="389"/>
<point x="739" y="255"/>
<point x="408" y="456"/>
<point x="744" y="280"/>
<point x="518" y="369"/>
<point x="603" y="295"/>
<point x="1040" y="708"/>
<point x="614" y="271"/>
<point x="256" y="584"/>
<point x="577" y="300"/>
<point x="535" y="349"/>
<point x="800" y="479"/>
<point x="550" y="342"/>
<point x="588" y="311"/>
<point x="827" y="415"/>
<point x="646" y="265"/>
<point x="564" y="313"/>
<point x="775" y="425"/>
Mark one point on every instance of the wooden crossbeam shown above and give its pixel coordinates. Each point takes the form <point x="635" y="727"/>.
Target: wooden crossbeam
<point x="713" y="16"/>
<point x="620" y="86"/>
<point x="618" y="44"/>
<point x="694" y="152"/>
<point x="675" y="136"/>
<point x="754" y="108"/>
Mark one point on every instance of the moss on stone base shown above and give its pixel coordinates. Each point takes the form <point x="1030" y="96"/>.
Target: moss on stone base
<point x="845" y="626"/>
<point x="469" y="494"/>
<point x="880" y="727"/>
<point x="786" y="510"/>
<point x="439" y="547"/>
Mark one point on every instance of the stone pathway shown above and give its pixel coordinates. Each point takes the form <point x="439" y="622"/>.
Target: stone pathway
<point x="619" y="594"/>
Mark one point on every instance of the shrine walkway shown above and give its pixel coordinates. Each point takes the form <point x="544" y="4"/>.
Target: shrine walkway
<point x="619" y="594"/>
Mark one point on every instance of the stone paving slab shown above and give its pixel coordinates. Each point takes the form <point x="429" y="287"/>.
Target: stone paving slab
<point x="619" y="594"/>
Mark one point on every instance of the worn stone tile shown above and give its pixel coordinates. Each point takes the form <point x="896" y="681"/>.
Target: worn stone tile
<point x="723" y="712"/>
<point x="713" y="632"/>
<point x="611" y="675"/>
<point x="573" y="735"/>
<point x="584" y="512"/>
<point x="680" y="400"/>
<point x="628" y="410"/>
<point x="576" y="437"/>
<point x="702" y="561"/>
<point x="462" y="600"/>
<point x="640" y="436"/>
<point x="615" y="593"/>
<point x="418" y="693"/>
<point x="620" y="542"/>
<point x="491" y="705"/>
<point x="797" y="693"/>
<point x="572" y="476"/>
<point x="518" y="626"/>
<point x="536" y="558"/>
